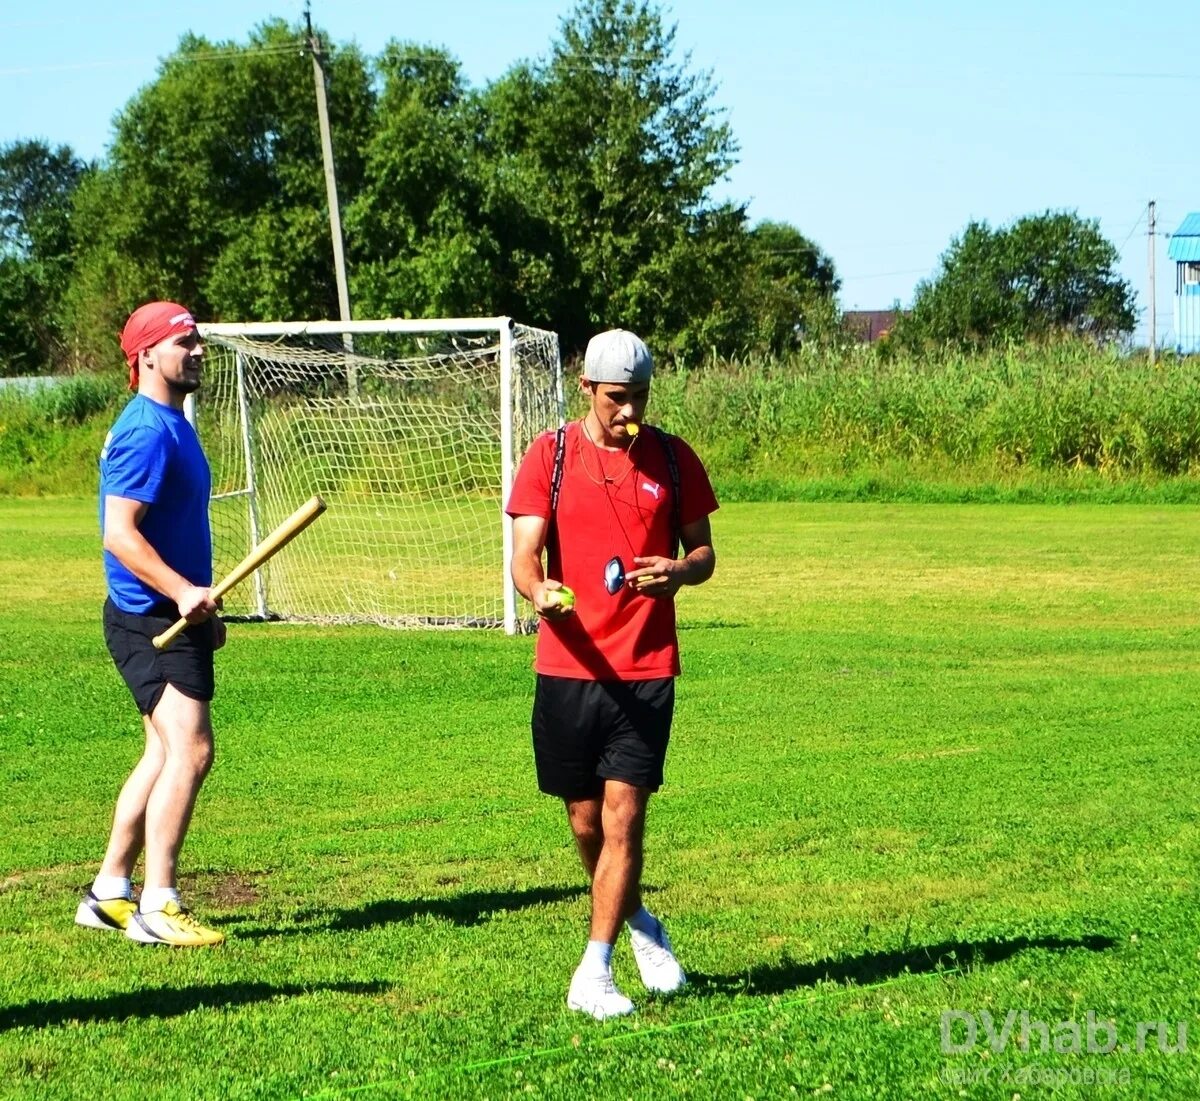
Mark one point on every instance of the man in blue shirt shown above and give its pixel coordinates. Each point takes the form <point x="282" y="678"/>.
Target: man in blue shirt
<point x="154" y="490"/>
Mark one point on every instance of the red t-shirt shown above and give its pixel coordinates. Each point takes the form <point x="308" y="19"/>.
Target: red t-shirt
<point x="610" y="637"/>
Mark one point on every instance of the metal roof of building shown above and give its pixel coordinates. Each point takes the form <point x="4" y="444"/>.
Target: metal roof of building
<point x="1185" y="241"/>
<point x="1184" y="249"/>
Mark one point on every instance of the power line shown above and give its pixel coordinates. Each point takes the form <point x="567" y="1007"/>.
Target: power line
<point x="883" y="275"/>
<point x="1131" y="76"/>
<point x="208" y="55"/>
<point x="1132" y="232"/>
<point x="230" y="52"/>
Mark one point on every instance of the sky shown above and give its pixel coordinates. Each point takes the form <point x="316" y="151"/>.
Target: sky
<point x="877" y="129"/>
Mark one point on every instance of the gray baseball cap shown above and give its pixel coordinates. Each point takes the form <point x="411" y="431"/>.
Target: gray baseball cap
<point x="617" y="356"/>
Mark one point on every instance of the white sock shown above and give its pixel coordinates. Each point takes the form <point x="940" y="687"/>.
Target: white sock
<point x="155" y="898"/>
<point x="643" y="922"/>
<point x="597" y="958"/>
<point x="112" y="886"/>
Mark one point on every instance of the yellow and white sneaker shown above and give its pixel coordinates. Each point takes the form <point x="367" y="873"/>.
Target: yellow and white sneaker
<point x="171" y="925"/>
<point x="105" y="913"/>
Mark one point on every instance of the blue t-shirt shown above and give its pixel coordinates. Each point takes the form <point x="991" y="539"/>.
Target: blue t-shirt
<point x="152" y="455"/>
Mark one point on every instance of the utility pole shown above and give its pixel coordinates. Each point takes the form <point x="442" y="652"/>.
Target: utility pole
<point x="1153" y="309"/>
<point x="335" y="219"/>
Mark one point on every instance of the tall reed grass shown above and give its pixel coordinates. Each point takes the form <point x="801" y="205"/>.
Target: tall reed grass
<point x="50" y="436"/>
<point x="1061" y="421"/>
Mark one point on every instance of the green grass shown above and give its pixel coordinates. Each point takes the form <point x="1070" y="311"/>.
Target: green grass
<point x="925" y="757"/>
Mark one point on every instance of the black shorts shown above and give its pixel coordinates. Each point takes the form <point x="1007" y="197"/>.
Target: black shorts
<point x="586" y="732"/>
<point x="187" y="663"/>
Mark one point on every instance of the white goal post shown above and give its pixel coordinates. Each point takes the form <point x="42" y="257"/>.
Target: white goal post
<point x="410" y="431"/>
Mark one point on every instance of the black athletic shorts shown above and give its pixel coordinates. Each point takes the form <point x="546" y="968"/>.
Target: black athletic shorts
<point x="586" y="732"/>
<point x="187" y="663"/>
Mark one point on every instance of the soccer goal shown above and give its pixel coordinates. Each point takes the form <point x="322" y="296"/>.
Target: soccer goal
<point x="410" y="431"/>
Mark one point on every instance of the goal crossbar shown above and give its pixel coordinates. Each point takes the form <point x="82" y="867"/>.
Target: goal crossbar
<point x="409" y="429"/>
<point x="326" y="328"/>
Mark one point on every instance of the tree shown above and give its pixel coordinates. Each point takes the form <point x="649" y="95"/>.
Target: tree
<point x="789" y="287"/>
<point x="213" y="191"/>
<point x="574" y="193"/>
<point x="608" y="153"/>
<point x="419" y="244"/>
<point x="1048" y="274"/>
<point x="37" y="187"/>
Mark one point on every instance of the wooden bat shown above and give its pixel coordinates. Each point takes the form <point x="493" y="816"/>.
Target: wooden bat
<point x="276" y="541"/>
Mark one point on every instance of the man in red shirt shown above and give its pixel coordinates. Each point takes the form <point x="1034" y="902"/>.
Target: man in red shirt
<point x="607" y="660"/>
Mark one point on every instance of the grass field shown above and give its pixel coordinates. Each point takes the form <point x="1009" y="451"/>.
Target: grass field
<point x="926" y="758"/>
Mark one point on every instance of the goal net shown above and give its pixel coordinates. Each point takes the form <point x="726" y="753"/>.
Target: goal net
<point x="410" y="431"/>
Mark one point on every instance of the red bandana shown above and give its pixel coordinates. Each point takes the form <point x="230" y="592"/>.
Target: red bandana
<point x="149" y="324"/>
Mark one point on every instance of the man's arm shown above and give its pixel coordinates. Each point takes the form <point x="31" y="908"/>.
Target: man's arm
<point x="658" y="576"/>
<point x="700" y="560"/>
<point x="529" y="540"/>
<point x="124" y="540"/>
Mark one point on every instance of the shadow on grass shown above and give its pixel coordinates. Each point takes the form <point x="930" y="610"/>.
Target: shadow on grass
<point x="470" y="908"/>
<point x="873" y="967"/>
<point x="164" y="1002"/>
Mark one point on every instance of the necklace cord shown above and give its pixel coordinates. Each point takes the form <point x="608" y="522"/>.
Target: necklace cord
<point x="604" y="482"/>
<point x="604" y="479"/>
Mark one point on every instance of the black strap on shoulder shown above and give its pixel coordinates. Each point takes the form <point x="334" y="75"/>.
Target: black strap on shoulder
<point x="664" y="438"/>
<point x="560" y="451"/>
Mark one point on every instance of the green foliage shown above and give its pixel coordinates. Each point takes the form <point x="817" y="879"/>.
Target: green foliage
<point x="1044" y="276"/>
<point x="37" y="241"/>
<point x="612" y="148"/>
<point x="1057" y="420"/>
<point x="75" y="400"/>
<point x="575" y="193"/>
<point x="50" y="438"/>
<point x="418" y="244"/>
<point x="1062" y="421"/>
<point x="789" y="291"/>
<point x="21" y="301"/>
<point x="213" y="192"/>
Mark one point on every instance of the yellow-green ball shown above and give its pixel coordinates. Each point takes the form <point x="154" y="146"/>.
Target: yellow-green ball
<point x="563" y="596"/>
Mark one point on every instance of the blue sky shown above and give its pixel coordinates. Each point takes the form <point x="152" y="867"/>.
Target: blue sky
<point x="878" y="129"/>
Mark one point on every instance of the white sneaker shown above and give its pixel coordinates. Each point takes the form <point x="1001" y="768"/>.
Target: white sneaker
<point x="656" y="962"/>
<point x="597" y="995"/>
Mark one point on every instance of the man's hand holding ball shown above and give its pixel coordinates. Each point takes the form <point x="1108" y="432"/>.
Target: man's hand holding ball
<point x="556" y="603"/>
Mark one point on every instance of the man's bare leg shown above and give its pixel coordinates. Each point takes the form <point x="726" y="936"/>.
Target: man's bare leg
<point x="128" y="836"/>
<point x="587" y="824"/>
<point x="622" y="803"/>
<point x="184" y="727"/>
<point x="109" y="905"/>
<point x="608" y="832"/>
<point x="616" y="882"/>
